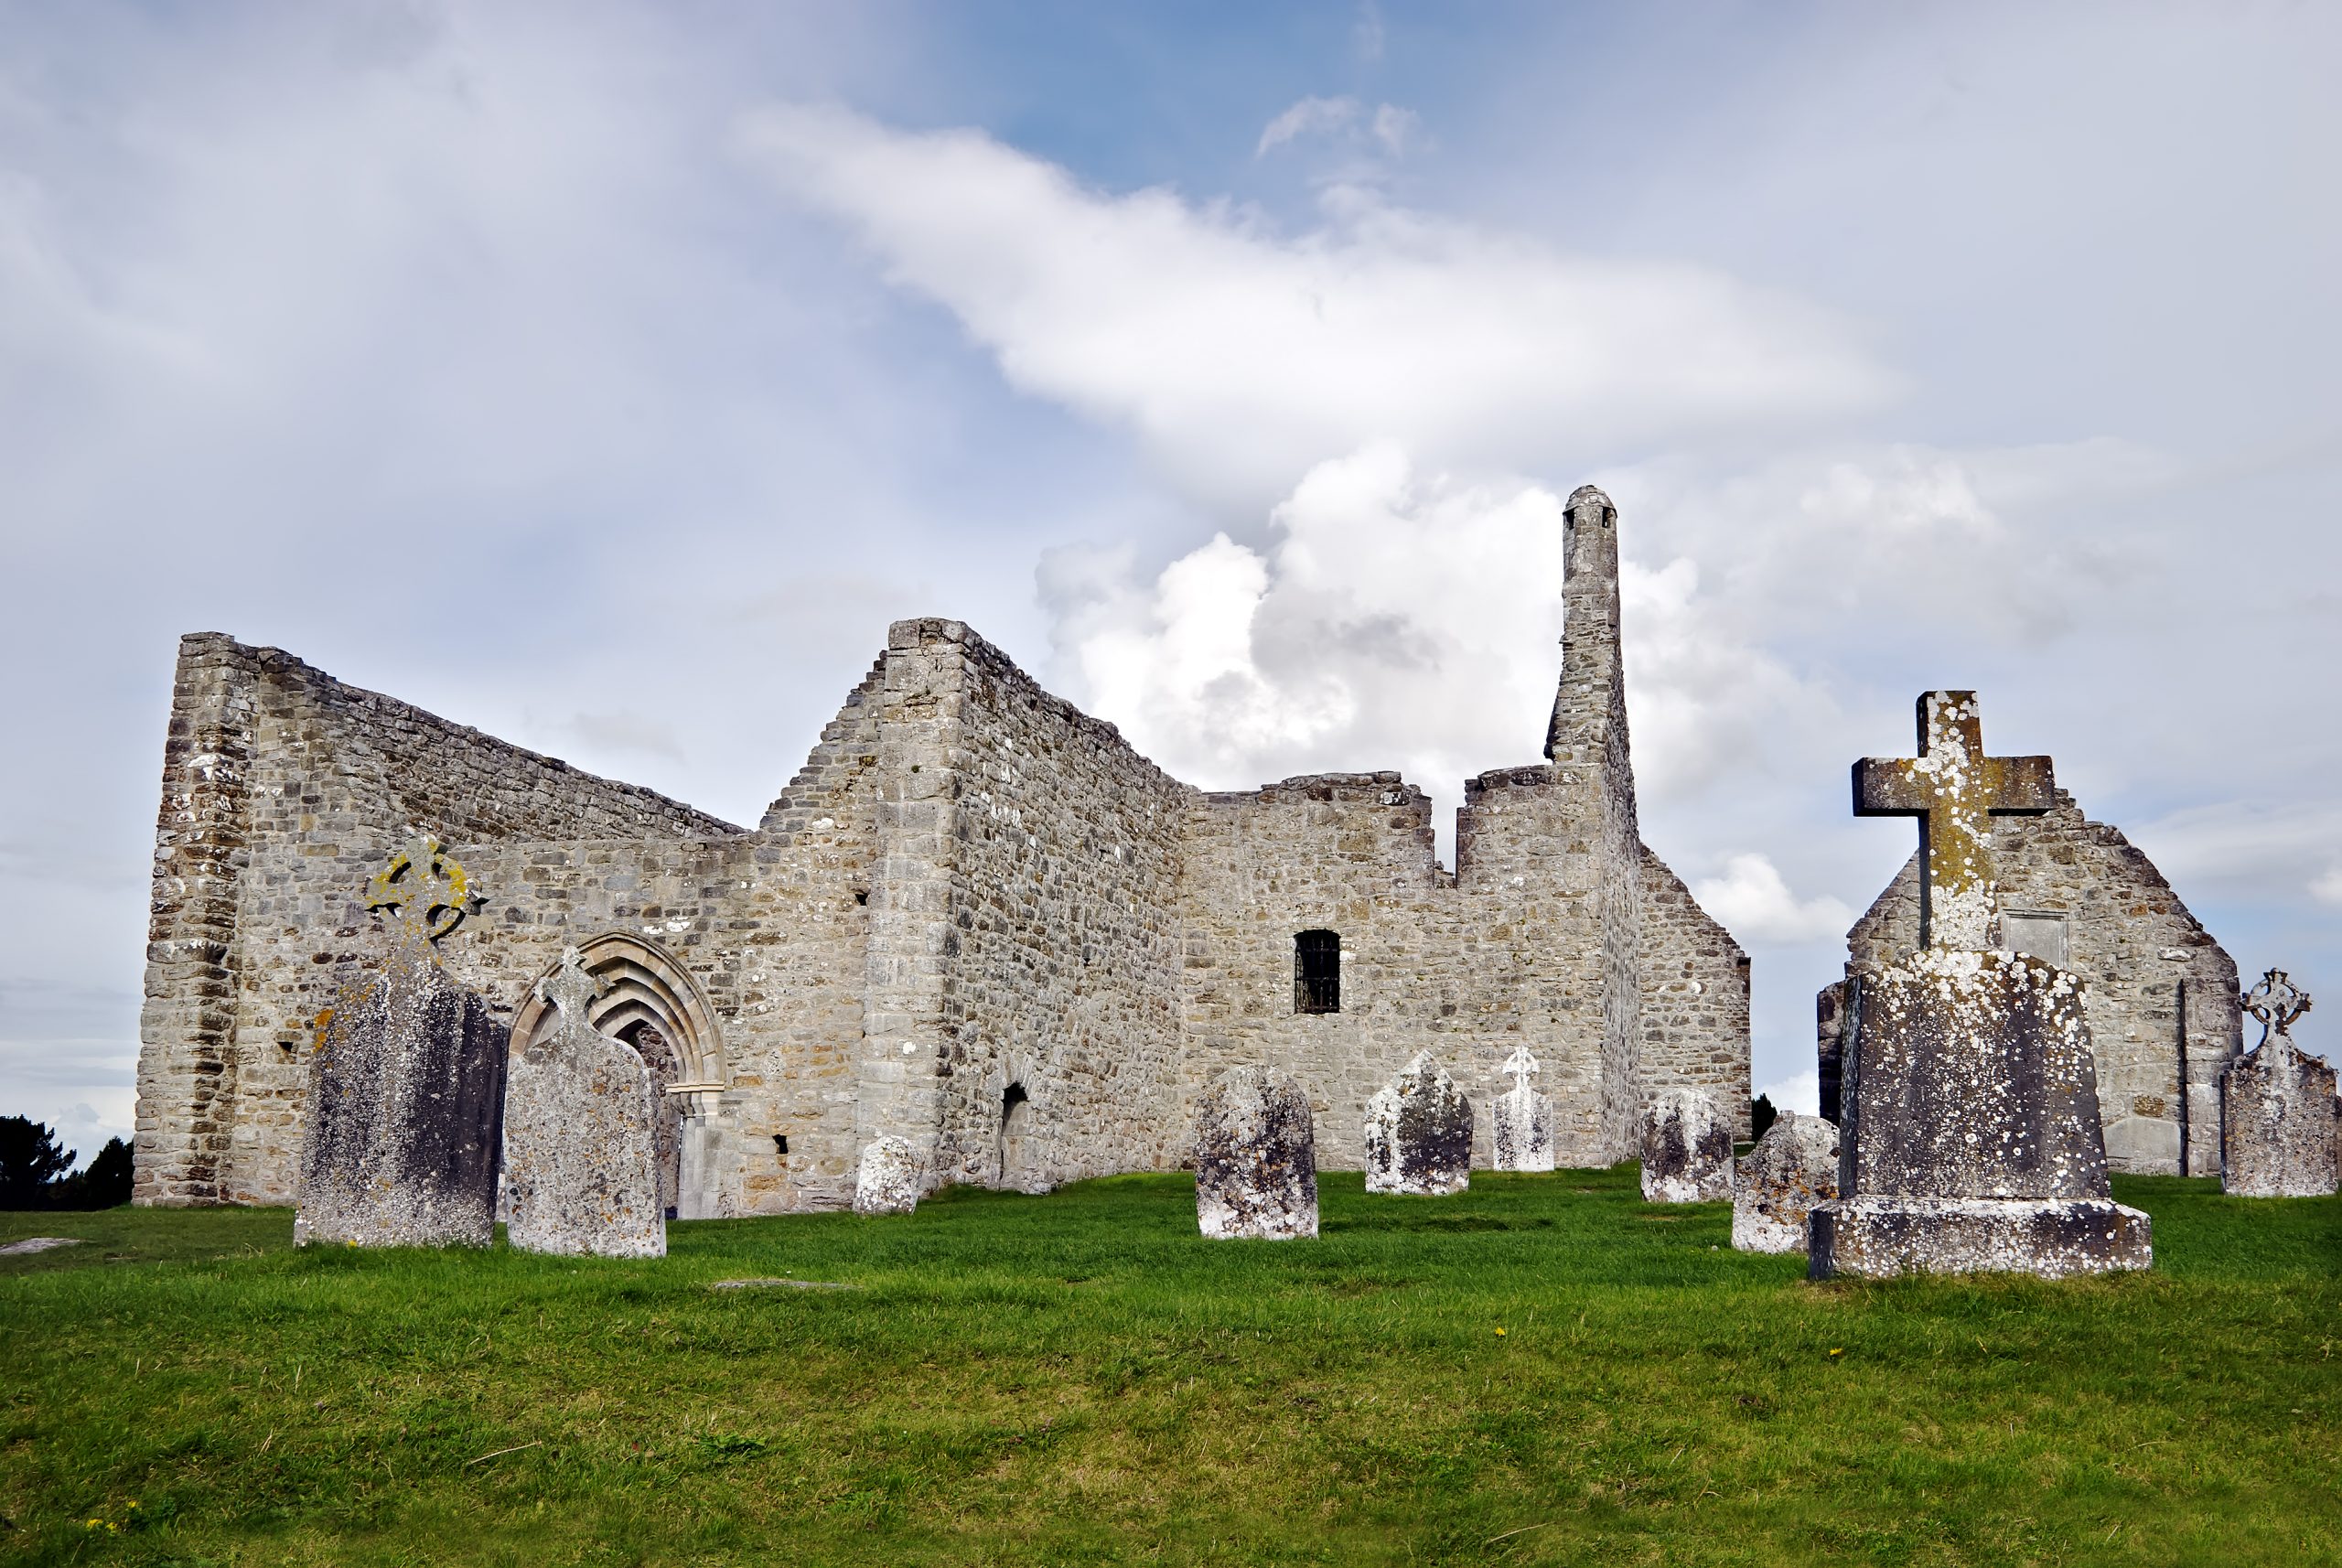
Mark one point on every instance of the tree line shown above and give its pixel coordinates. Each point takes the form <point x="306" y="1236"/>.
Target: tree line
<point x="37" y="1171"/>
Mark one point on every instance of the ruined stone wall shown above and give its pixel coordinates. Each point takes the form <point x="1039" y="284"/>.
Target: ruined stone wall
<point x="1694" y="981"/>
<point x="2161" y="992"/>
<point x="1064" y="851"/>
<point x="1347" y="853"/>
<point x="1509" y="952"/>
<point x="327" y="780"/>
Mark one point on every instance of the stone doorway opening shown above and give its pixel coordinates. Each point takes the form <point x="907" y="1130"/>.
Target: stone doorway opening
<point x="1019" y="1146"/>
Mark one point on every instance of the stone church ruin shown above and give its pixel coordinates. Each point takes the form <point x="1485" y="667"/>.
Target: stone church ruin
<point x="976" y="921"/>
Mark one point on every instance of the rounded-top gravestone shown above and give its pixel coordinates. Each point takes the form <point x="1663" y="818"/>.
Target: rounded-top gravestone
<point x="1419" y="1132"/>
<point x="887" y="1180"/>
<point x="1256" y="1157"/>
<point x="1686" y="1149"/>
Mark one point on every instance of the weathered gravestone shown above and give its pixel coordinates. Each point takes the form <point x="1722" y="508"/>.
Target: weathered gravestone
<point x="1793" y="1166"/>
<point x="1419" y="1132"/>
<point x="1686" y="1148"/>
<point x="887" y="1179"/>
<point x="1522" y="1132"/>
<point x="406" y="1084"/>
<point x="1256" y="1157"/>
<point x="1969" y="1136"/>
<point x="581" y="1135"/>
<point x="2277" y="1106"/>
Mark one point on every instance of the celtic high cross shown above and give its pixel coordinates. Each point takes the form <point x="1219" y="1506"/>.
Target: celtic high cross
<point x="2276" y="1002"/>
<point x="1955" y="790"/>
<point x="422" y="895"/>
<point x="1521" y="1064"/>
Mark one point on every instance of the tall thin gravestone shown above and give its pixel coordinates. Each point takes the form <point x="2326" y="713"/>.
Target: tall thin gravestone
<point x="1522" y="1130"/>
<point x="406" y="1084"/>
<point x="2278" y="1116"/>
<point x="581" y="1135"/>
<point x="1969" y="1136"/>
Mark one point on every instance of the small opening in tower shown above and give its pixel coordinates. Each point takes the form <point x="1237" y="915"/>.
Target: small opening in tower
<point x="1010" y="1098"/>
<point x="1318" y="972"/>
<point x="780" y="1142"/>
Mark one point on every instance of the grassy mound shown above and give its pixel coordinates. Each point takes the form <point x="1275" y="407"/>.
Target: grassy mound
<point x="1544" y="1370"/>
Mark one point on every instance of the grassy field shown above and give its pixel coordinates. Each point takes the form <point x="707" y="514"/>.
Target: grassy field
<point x="1541" y="1371"/>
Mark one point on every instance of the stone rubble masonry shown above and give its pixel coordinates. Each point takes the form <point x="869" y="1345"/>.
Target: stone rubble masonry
<point x="1686" y="1146"/>
<point x="2280" y="1128"/>
<point x="1256" y="1163"/>
<point x="976" y="920"/>
<point x="1774" y="1185"/>
<point x="2164" y="1016"/>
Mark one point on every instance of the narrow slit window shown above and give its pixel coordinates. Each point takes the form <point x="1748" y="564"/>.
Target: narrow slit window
<point x="1318" y="972"/>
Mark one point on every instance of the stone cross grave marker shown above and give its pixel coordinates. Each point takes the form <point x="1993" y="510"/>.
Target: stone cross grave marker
<point x="2278" y="1131"/>
<point x="1955" y="790"/>
<point x="580" y="1133"/>
<point x="2276" y="1001"/>
<point x="1521" y="1134"/>
<point x="406" y="1084"/>
<point x="1969" y="1129"/>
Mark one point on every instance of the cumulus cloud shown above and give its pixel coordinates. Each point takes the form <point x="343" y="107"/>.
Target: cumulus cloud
<point x="2327" y="889"/>
<point x="1756" y="904"/>
<point x="1242" y="355"/>
<point x="1800" y="1092"/>
<point x="1397" y="617"/>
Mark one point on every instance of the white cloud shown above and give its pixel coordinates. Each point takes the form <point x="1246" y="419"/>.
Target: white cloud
<point x="2327" y="889"/>
<point x="1756" y="905"/>
<point x="1399" y="617"/>
<point x="1395" y="128"/>
<point x="1242" y="356"/>
<point x="1310" y="117"/>
<point x="1800" y="1092"/>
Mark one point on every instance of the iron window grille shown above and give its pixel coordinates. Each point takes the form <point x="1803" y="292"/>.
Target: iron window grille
<point x="1318" y="972"/>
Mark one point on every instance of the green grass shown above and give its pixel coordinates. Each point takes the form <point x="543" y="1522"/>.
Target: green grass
<point x="1080" y="1378"/>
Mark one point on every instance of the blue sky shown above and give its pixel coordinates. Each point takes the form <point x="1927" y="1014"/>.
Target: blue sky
<point x="608" y="376"/>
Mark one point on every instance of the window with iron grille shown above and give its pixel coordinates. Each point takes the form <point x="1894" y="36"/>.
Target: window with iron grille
<point x="1318" y="972"/>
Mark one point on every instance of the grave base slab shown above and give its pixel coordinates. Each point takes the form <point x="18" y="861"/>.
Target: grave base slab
<point x="1877" y="1238"/>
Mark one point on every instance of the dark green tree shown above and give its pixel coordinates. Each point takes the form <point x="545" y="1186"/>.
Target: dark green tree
<point x="1761" y="1115"/>
<point x="105" y="1185"/>
<point x="30" y="1160"/>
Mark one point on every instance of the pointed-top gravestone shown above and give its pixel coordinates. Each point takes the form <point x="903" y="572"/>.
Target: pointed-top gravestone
<point x="581" y="1135"/>
<point x="2278" y="1131"/>
<point x="1969" y="1136"/>
<point x="1419" y="1132"/>
<point x="1774" y="1185"/>
<point x="407" y="1083"/>
<point x="1522" y="1136"/>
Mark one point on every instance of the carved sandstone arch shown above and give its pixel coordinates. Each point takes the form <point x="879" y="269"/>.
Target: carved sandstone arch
<point x="646" y="984"/>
